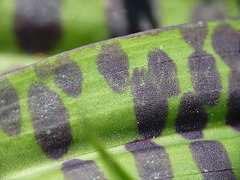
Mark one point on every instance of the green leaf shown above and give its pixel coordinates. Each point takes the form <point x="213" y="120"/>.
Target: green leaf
<point x="163" y="103"/>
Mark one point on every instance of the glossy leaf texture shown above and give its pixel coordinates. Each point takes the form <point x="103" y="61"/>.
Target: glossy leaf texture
<point x="163" y="103"/>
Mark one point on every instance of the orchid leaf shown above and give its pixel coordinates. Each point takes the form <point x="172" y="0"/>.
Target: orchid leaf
<point x="159" y="104"/>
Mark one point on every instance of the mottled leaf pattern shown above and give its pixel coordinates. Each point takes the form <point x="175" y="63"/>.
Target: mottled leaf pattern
<point x="162" y="104"/>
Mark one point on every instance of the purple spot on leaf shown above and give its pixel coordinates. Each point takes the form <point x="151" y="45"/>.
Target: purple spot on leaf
<point x="50" y="120"/>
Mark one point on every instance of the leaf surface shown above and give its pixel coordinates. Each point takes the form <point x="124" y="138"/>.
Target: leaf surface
<point x="164" y="103"/>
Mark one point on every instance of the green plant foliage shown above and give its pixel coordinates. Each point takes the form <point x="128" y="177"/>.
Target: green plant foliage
<point x="159" y="104"/>
<point x="116" y="87"/>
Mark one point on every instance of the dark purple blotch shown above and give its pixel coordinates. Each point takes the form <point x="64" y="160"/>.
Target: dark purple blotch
<point x="43" y="70"/>
<point x="191" y="117"/>
<point x="130" y="16"/>
<point x="37" y="24"/>
<point x="150" y="90"/>
<point x="152" y="160"/>
<point x="113" y="64"/>
<point x="205" y="77"/>
<point x="68" y="76"/>
<point x="233" y="116"/>
<point x="209" y="10"/>
<point x="75" y="169"/>
<point x="163" y="73"/>
<point x="151" y="109"/>
<point x="225" y="41"/>
<point x="206" y="83"/>
<point x="195" y="34"/>
<point x="10" y="112"/>
<point x="212" y="160"/>
<point x="50" y="120"/>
